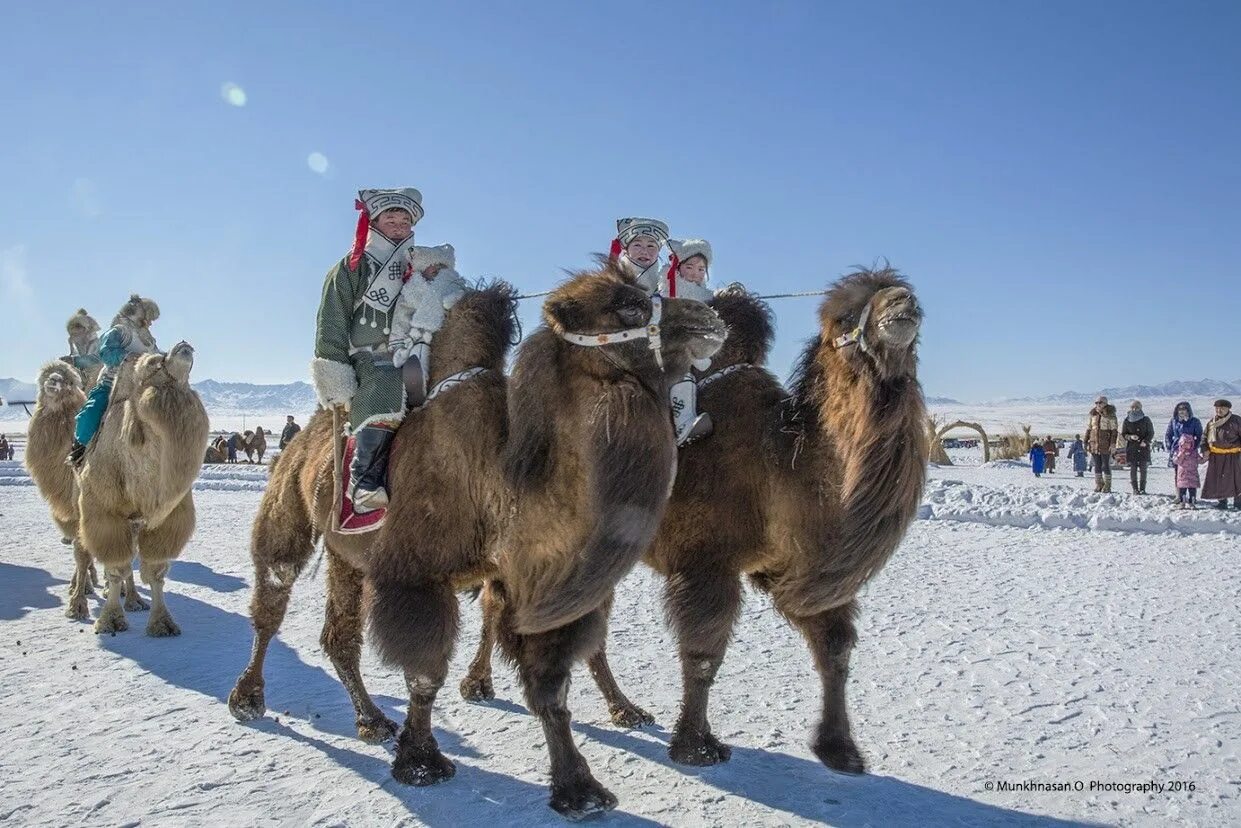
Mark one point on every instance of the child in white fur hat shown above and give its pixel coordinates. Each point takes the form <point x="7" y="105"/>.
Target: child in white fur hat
<point x="687" y="279"/>
<point x="432" y="286"/>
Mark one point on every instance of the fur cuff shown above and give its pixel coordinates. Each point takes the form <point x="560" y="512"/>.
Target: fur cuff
<point x="335" y="382"/>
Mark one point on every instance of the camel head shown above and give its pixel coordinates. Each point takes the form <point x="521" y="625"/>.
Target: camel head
<point x="165" y="370"/>
<point x="609" y="301"/>
<point x="59" y="387"/>
<point x="872" y="318"/>
<point x="478" y="331"/>
<point x="750" y="327"/>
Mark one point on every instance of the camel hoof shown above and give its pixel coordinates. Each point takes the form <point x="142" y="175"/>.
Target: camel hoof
<point x="134" y="603"/>
<point x="581" y="798"/>
<point x="700" y="749"/>
<point x="162" y="626"/>
<point x="111" y="621"/>
<point x="840" y="755"/>
<point x="477" y="688"/>
<point x="247" y="706"/>
<point x="631" y="717"/>
<point x="428" y="768"/>
<point x="377" y="731"/>
<point x="78" y="609"/>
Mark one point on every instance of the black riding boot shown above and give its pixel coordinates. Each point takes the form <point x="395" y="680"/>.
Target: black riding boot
<point x="368" y="474"/>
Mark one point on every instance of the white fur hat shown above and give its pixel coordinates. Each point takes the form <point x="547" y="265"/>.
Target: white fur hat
<point x="685" y="248"/>
<point x="628" y="229"/>
<point x="81" y="321"/>
<point x="374" y="202"/>
<point x="420" y="258"/>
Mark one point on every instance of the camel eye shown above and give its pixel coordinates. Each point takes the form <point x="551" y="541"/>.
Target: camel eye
<point x="631" y="314"/>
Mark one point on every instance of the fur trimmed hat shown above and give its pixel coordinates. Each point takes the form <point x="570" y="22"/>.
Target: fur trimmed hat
<point x="139" y="310"/>
<point x="683" y="249"/>
<point x="373" y="202"/>
<point x="81" y="323"/>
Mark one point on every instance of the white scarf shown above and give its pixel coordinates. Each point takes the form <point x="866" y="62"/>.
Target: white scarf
<point x="388" y="263"/>
<point x="650" y="278"/>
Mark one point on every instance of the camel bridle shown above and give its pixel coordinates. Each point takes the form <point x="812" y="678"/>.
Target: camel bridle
<point x="857" y="336"/>
<point x="650" y="331"/>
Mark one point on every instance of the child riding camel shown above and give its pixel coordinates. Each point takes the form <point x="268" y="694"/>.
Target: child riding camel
<point x="357" y="330"/>
<point x="130" y="334"/>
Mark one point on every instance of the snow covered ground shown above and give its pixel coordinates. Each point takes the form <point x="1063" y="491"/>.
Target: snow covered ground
<point x="1016" y="637"/>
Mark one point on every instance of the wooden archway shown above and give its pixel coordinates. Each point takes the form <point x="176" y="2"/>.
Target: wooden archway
<point x="986" y="447"/>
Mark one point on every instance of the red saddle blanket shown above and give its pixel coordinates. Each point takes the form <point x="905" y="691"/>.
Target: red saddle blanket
<point x="349" y="522"/>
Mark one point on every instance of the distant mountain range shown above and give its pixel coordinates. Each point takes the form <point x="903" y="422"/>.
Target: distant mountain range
<point x="220" y="398"/>
<point x="298" y="398"/>
<point x="1181" y="389"/>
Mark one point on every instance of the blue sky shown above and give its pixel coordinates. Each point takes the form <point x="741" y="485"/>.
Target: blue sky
<point x="1059" y="179"/>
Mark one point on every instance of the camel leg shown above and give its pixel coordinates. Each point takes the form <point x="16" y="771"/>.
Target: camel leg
<point x="80" y="586"/>
<point x="133" y="601"/>
<point x="623" y="712"/>
<point x="342" y="641"/>
<point x="544" y="664"/>
<point x="477" y="685"/>
<point x="160" y="623"/>
<point x="111" y="616"/>
<point x="110" y="539"/>
<point x="281" y="545"/>
<point x="831" y="636"/>
<point x="703" y="607"/>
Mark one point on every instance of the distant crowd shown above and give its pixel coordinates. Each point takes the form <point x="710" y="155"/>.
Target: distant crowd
<point x="1188" y="443"/>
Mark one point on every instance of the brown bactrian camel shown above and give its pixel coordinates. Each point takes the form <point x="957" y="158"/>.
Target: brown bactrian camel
<point x="451" y="438"/>
<point x="808" y="494"/>
<point x="256" y="444"/>
<point x="587" y="470"/>
<point x="135" y="487"/>
<point x="50" y="434"/>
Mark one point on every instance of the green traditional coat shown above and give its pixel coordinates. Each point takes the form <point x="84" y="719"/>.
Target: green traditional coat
<point x="352" y="333"/>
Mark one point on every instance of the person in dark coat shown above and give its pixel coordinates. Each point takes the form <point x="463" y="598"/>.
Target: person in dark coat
<point x="1137" y="431"/>
<point x="290" y="431"/>
<point x="232" y="447"/>
<point x="1051" y="451"/>
<point x="1183" y="421"/>
<point x="1222" y="447"/>
<point x="1077" y="453"/>
<point x="1038" y="459"/>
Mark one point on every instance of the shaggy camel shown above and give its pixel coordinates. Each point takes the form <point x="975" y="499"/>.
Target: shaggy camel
<point x="256" y="444"/>
<point x="585" y="473"/>
<point x="808" y="494"/>
<point x="810" y="510"/>
<point x="459" y="430"/>
<point x="60" y="395"/>
<point x="135" y="485"/>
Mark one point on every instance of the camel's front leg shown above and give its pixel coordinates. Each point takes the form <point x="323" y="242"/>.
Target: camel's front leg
<point x="831" y="636"/>
<point x="111" y="616"/>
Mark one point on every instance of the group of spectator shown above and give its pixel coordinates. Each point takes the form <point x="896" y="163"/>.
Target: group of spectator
<point x="6" y="448"/>
<point x="1189" y="446"/>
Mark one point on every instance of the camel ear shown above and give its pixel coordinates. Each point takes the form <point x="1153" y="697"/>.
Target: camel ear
<point x="566" y="314"/>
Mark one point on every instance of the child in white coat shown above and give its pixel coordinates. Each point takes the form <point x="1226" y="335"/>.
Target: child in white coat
<point x="432" y="286"/>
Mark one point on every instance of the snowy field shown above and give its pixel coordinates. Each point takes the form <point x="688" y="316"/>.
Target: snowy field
<point x="1027" y="631"/>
